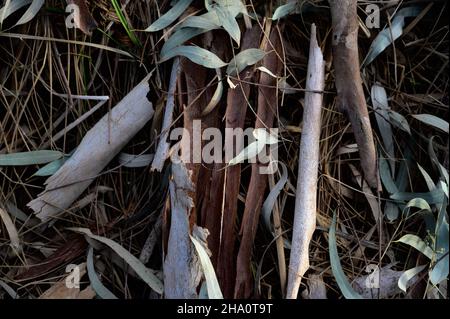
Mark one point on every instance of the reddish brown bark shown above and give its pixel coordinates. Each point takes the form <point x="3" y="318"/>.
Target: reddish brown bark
<point x="211" y="176"/>
<point x="267" y="104"/>
<point x="195" y="77"/>
<point x="74" y="247"/>
<point x="234" y="117"/>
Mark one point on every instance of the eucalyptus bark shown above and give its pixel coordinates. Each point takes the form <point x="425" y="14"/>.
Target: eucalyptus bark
<point x="234" y="119"/>
<point x="98" y="147"/>
<point x="267" y="107"/>
<point x="351" y="100"/>
<point x="306" y="193"/>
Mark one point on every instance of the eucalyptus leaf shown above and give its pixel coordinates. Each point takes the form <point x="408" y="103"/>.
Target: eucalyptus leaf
<point x="432" y="120"/>
<point x="399" y="121"/>
<point x="381" y="108"/>
<point x="170" y="16"/>
<point x="434" y="159"/>
<point x="284" y="10"/>
<point x="29" y="158"/>
<point x="207" y="21"/>
<point x="52" y="167"/>
<point x="212" y="285"/>
<point x="96" y="284"/>
<point x="441" y="268"/>
<point x="146" y="274"/>
<point x="417" y="243"/>
<point x="267" y="207"/>
<point x="435" y="196"/>
<point x="31" y="12"/>
<point x="229" y="23"/>
<point x="10" y="7"/>
<point x="197" y="55"/>
<point x="338" y="273"/>
<point x="244" y="59"/>
<point x="11" y="292"/>
<point x="235" y="7"/>
<point x="427" y="177"/>
<point x="386" y="177"/>
<point x="390" y="34"/>
<point x="250" y="152"/>
<point x="408" y="275"/>
<point x="215" y="99"/>
<point x="178" y="38"/>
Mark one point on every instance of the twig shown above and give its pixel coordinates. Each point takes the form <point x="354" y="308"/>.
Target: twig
<point x="162" y="150"/>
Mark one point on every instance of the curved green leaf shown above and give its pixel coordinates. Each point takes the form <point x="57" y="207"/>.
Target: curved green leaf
<point x="399" y="121"/>
<point x="146" y="274"/>
<point x="244" y="59"/>
<point x="381" y="108"/>
<point x="432" y="121"/>
<point x="267" y="207"/>
<point x="170" y="16"/>
<point x="31" y="12"/>
<point x="10" y="7"/>
<point x="179" y="37"/>
<point x="212" y="285"/>
<point x="229" y="23"/>
<point x="417" y="243"/>
<point x="390" y="34"/>
<point x="96" y="284"/>
<point x="284" y="10"/>
<point x="435" y="196"/>
<point x="29" y="158"/>
<point x="207" y="21"/>
<point x="408" y="275"/>
<point x="52" y="167"/>
<point x="341" y="280"/>
<point x="197" y="55"/>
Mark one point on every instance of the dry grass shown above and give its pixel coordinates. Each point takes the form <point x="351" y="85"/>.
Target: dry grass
<point x="40" y="83"/>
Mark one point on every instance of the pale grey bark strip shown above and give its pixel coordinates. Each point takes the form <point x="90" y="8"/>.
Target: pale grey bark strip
<point x="99" y="146"/>
<point x="182" y="272"/>
<point x="305" y="201"/>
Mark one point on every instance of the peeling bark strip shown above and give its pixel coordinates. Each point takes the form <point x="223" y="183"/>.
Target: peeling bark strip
<point x="210" y="195"/>
<point x="82" y="17"/>
<point x="306" y="194"/>
<point x="96" y="150"/>
<point x="181" y="269"/>
<point x="349" y="88"/>
<point x="234" y="118"/>
<point x="267" y="104"/>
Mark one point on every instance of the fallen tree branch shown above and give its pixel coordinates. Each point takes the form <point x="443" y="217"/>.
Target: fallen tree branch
<point x="99" y="146"/>
<point x="349" y="88"/>
<point x="306" y="193"/>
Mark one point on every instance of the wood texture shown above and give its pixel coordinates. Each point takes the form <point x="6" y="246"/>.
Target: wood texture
<point x="267" y="105"/>
<point x="306" y="193"/>
<point x="351" y="100"/>
<point x="98" y="147"/>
